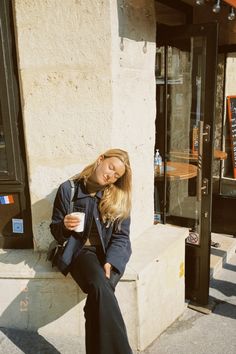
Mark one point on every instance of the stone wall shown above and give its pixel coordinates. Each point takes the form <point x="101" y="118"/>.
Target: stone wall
<point x="86" y="72"/>
<point x="230" y="88"/>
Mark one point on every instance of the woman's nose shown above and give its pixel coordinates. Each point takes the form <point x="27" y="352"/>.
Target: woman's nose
<point x="111" y="175"/>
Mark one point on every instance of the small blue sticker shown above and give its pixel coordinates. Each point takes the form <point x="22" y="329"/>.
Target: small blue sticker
<point x="17" y="226"/>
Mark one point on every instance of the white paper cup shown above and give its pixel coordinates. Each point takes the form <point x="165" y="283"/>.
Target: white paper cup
<point x="81" y="217"/>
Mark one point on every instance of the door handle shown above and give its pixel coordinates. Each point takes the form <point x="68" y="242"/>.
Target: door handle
<point x="203" y="136"/>
<point x="204" y="187"/>
<point x="206" y="133"/>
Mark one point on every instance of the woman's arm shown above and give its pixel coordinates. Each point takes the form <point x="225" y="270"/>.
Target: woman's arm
<point x="119" y="248"/>
<point x="60" y="210"/>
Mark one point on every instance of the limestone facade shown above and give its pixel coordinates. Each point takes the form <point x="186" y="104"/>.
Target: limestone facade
<point x="86" y="72"/>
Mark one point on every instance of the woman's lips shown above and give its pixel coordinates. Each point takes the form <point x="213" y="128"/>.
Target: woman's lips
<point x="105" y="179"/>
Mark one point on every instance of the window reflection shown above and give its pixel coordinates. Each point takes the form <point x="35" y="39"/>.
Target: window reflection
<point x="180" y="87"/>
<point x="224" y="182"/>
<point x="3" y="154"/>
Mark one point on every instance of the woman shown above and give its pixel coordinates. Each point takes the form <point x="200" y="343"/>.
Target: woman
<point x="96" y="257"/>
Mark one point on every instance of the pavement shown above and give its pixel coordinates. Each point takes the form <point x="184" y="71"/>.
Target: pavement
<point x="198" y="333"/>
<point x="193" y="333"/>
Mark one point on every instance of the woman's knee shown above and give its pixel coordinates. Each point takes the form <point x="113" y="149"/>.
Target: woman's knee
<point x="99" y="285"/>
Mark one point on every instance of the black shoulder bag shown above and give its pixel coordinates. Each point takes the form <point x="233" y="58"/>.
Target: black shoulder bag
<point x="56" y="249"/>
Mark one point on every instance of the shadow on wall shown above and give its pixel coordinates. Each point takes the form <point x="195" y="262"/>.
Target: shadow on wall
<point x="40" y="300"/>
<point x="29" y="343"/>
<point x="41" y="215"/>
<point x="136" y="19"/>
<point x="32" y="303"/>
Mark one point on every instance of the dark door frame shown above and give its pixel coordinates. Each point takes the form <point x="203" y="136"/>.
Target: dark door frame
<point x="14" y="181"/>
<point x="198" y="256"/>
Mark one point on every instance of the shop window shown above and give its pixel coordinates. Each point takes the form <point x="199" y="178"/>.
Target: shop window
<point x="224" y="175"/>
<point x="15" y="225"/>
<point x="224" y="182"/>
<point x="3" y="155"/>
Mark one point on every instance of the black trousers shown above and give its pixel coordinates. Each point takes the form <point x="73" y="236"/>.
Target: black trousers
<point x="105" y="331"/>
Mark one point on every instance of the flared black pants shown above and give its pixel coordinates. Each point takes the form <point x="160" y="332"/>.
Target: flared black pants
<point x="104" y="326"/>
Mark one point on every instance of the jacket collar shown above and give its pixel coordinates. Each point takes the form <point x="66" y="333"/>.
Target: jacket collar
<point x="82" y="193"/>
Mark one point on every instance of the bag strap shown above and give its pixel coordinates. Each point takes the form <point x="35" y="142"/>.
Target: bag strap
<point x="72" y="193"/>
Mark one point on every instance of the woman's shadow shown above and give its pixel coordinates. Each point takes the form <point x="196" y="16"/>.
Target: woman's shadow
<point x="34" y="300"/>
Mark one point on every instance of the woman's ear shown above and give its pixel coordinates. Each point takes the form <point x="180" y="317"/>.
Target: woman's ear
<point x="100" y="159"/>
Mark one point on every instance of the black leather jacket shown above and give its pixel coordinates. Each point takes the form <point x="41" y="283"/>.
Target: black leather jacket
<point x="115" y="242"/>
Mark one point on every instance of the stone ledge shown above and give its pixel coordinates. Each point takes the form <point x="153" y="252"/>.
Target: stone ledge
<point x="36" y="297"/>
<point x="147" y="249"/>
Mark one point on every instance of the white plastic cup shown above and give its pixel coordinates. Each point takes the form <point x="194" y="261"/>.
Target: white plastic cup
<point x="81" y="217"/>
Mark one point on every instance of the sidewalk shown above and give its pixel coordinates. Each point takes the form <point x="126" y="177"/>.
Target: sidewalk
<point x="197" y="333"/>
<point x="193" y="333"/>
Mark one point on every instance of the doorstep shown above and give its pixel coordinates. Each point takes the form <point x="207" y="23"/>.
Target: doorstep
<point x="220" y="255"/>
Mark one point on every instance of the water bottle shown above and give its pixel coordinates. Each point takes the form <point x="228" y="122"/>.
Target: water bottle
<point x="195" y="140"/>
<point x="158" y="161"/>
<point x="156" y="158"/>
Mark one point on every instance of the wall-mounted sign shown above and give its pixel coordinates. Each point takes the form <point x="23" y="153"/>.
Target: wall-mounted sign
<point x="231" y="103"/>
<point x="17" y="226"/>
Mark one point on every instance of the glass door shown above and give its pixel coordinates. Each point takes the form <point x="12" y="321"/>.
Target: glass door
<point x="224" y="185"/>
<point x="185" y="82"/>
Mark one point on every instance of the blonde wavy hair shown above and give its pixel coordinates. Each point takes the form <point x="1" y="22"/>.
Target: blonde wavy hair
<point x="115" y="204"/>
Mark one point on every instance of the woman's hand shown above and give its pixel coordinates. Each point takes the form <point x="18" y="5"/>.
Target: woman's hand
<point x="107" y="269"/>
<point x="71" y="221"/>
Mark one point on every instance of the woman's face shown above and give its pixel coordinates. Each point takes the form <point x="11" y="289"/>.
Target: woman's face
<point x="108" y="170"/>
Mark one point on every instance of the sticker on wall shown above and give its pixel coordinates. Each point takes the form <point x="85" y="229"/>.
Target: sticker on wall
<point x="17" y="226"/>
<point x="6" y="199"/>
